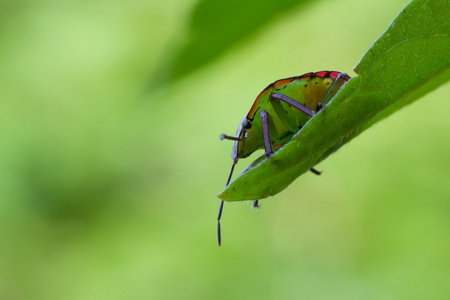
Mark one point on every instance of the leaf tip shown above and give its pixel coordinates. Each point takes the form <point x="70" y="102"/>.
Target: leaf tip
<point x="222" y="194"/>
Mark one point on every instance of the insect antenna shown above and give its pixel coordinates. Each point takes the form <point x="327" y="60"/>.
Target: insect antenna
<point x="228" y="137"/>
<point x="219" y="215"/>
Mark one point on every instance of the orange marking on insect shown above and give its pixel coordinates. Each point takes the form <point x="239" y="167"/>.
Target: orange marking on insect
<point x="306" y="75"/>
<point x="281" y="82"/>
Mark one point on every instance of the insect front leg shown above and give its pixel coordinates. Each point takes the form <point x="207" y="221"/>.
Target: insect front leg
<point x="264" y="115"/>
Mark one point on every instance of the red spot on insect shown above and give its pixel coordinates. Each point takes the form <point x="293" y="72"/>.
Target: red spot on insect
<point x="333" y="75"/>
<point x="322" y="74"/>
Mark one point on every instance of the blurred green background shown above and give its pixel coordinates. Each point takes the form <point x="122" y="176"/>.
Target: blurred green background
<point x="110" y="158"/>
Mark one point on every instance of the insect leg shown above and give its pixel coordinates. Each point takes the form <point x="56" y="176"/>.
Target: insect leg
<point x="292" y="102"/>
<point x="266" y="138"/>
<point x="300" y="107"/>
<point x="265" y="130"/>
<point x="315" y="171"/>
<point x="342" y="77"/>
<point x="319" y="107"/>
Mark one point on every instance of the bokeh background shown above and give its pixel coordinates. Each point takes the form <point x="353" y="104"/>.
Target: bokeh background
<point x="110" y="113"/>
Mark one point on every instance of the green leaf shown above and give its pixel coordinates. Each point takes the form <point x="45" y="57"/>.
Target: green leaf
<point x="409" y="60"/>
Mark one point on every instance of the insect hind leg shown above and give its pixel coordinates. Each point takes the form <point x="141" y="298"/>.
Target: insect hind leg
<point x="305" y="110"/>
<point x="334" y="88"/>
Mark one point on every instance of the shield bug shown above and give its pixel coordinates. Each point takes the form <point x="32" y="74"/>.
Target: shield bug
<point x="278" y="113"/>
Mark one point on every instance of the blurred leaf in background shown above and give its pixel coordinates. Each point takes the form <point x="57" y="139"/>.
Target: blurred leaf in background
<point x="215" y="28"/>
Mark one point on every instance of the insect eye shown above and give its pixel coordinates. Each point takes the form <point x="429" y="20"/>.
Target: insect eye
<point x="246" y="124"/>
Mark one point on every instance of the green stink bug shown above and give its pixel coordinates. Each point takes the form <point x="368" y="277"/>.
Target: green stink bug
<point x="278" y="113"/>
